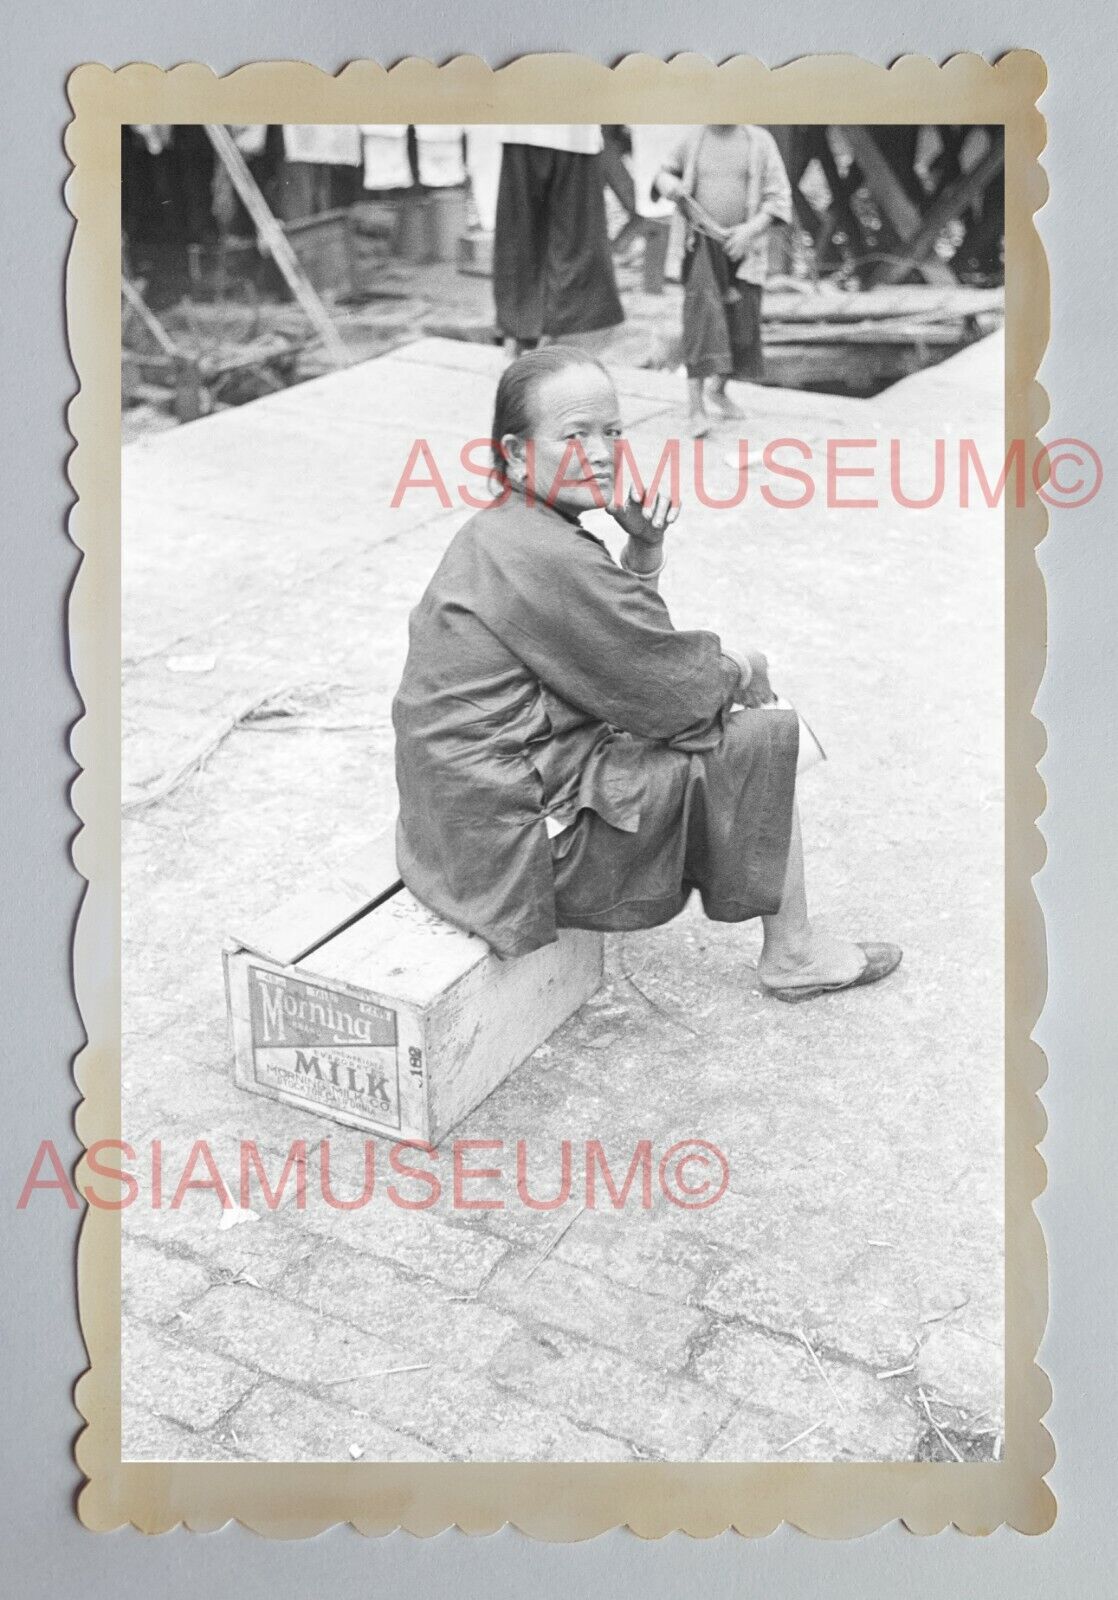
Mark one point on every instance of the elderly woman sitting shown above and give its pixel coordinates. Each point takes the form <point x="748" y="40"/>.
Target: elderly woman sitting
<point x="565" y="757"/>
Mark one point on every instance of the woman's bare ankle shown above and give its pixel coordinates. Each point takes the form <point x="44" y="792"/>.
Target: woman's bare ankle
<point x="837" y="960"/>
<point x="787" y="953"/>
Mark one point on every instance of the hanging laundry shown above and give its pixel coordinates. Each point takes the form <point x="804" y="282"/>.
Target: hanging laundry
<point x="332" y="144"/>
<point x="386" y="155"/>
<point x="652" y="145"/>
<point x="483" y="163"/>
<point x="440" y="154"/>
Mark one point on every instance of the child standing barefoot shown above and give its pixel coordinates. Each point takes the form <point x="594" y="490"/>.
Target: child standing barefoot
<point x="731" y="184"/>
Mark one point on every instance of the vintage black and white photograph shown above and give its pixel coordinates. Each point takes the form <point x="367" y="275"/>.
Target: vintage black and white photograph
<point x="562" y="600"/>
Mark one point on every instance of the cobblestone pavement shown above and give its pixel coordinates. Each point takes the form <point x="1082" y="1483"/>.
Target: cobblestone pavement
<point x="843" y="1299"/>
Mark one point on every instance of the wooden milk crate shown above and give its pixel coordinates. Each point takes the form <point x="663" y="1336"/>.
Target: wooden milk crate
<point x="355" y="1002"/>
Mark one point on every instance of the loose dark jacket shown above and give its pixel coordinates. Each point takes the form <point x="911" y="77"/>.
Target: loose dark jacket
<point x="531" y="654"/>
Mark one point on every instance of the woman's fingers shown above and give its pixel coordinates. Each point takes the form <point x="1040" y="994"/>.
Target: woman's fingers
<point x="662" y="513"/>
<point x="646" y="515"/>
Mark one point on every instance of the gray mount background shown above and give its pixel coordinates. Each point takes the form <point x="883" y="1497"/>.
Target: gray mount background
<point x="46" y="1552"/>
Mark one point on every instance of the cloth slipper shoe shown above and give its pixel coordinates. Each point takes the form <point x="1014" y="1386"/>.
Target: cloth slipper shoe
<point x="881" y="960"/>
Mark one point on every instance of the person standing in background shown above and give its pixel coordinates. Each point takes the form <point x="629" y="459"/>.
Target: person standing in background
<point x="552" y="267"/>
<point x="731" y="185"/>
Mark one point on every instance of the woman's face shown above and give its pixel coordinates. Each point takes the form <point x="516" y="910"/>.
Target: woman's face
<point x="570" y="462"/>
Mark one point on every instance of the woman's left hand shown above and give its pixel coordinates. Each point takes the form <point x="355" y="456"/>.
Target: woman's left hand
<point x="645" y="519"/>
<point x="756" y="690"/>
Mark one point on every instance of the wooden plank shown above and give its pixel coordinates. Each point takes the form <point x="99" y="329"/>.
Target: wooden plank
<point x="883" y="303"/>
<point x="401" y="948"/>
<point x="897" y="332"/>
<point x="342" y="896"/>
<point x="504" y="1010"/>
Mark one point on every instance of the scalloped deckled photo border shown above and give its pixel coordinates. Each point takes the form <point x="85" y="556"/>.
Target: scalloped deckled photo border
<point x="547" y="1500"/>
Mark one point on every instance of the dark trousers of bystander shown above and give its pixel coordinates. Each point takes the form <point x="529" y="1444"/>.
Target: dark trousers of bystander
<point x="552" y="268"/>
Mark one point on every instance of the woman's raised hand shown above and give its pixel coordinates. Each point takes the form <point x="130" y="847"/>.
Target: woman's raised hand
<point x="644" y="518"/>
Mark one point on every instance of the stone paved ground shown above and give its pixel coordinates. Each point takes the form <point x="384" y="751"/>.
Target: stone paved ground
<point x="861" y="1231"/>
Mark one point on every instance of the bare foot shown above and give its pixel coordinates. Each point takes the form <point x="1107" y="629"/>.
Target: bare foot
<point x="699" y="424"/>
<point x="725" y="407"/>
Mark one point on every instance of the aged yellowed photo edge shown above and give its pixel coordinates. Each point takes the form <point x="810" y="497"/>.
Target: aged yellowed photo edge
<point x="547" y="1501"/>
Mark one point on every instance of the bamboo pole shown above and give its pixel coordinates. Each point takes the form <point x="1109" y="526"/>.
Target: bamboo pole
<point x="277" y="243"/>
<point x="148" y="317"/>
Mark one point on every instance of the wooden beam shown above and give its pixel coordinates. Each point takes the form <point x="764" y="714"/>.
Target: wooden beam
<point x="947" y="168"/>
<point x="809" y="218"/>
<point x="794" y="149"/>
<point x="887" y="237"/>
<point x="895" y="331"/>
<point x="897" y="142"/>
<point x="904" y="300"/>
<point x="947" y="206"/>
<point x="841" y="209"/>
<point x="897" y="207"/>
<point x="279" y="246"/>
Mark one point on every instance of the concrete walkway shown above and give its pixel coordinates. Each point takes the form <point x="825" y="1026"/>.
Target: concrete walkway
<point x="860" y="1234"/>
